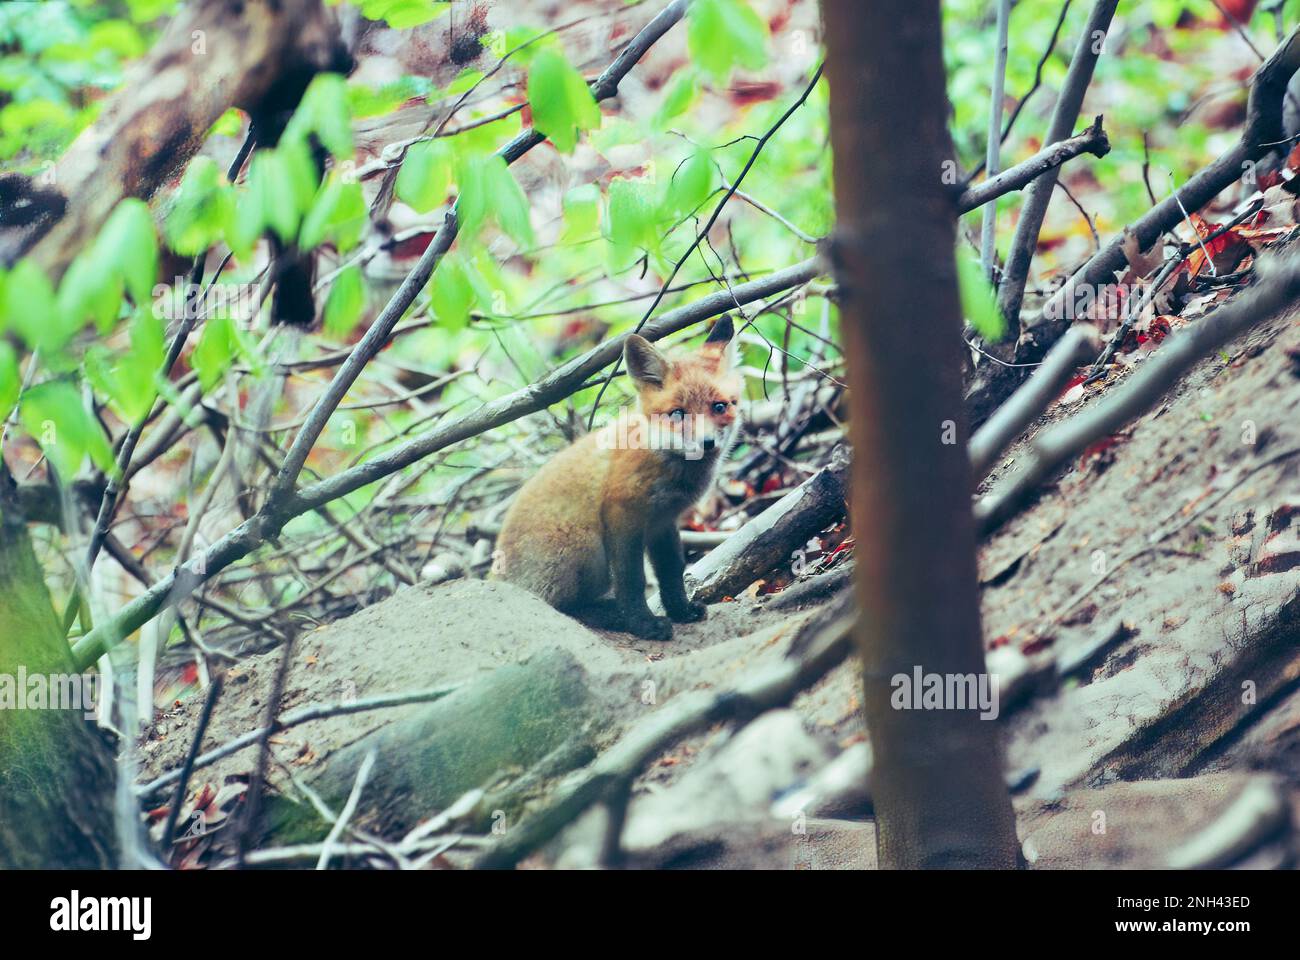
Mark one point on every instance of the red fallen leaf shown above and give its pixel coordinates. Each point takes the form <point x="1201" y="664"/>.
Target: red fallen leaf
<point x="773" y="482"/>
<point x="1096" y="448"/>
<point x="1156" y="331"/>
<point x="576" y="328"/>
<point x="745" y="93"/>
<point x="412" y="246"/>
<point x="1227" y="250"/>
<point x="999" y="641"/>
<point x="205" y="797"/>
<point x="1283" y="514"/>
<point x="1037" y="645"/>
<point x="1070" y="384"/>
<point x="190" y="674"/>
<point x="846" y="544"/>
<point x="1240" y="12"/>
<point x="1262" y="234"/>
<point x="1270" y="179"/>
<point x="1202" y="226"/>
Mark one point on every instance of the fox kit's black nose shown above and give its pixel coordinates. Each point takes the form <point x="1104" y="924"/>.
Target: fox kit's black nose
<point x="708" y="443"/>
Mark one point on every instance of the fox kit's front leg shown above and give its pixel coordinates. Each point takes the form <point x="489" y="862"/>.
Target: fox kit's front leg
<point x="664" y="545"/>
<point x="625" y="546"/>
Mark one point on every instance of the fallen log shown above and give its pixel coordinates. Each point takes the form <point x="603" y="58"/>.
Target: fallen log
<point x="772" y="537"/>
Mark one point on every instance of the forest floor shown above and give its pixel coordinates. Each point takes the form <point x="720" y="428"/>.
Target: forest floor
<point x="1182" y="665"/>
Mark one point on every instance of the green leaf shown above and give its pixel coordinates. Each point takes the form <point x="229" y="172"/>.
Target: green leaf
<point x="486" y="186"/>
<point x="90" y="289"/>
<point x="682" y="91"/>
<point x="202" y="210"/>
<point x="323" y="111"/>
<point x="561" y="101"/>
<point x="302" y="170"/>
<point x="425" y="175"/>
<point x="722" y="34"/>
<point x="56" y="418"/>
<point x="229" y="124"/>
<point x="214" y="352"/>
<point x="128" y="243"/>
<point x="27" y="307"/>
<point x="346" y="300"/>
<point x="630" y="218"/>
<point x="145" y="11"/>
<point x="511" y="206"/>
<point x="691" y="184"/>
<point x="268" y="200"/>
<point x="11" y="382"/>
<point x="364" y="101"/>
<point x="401" y="14"/>
<point x="581" y="213"/>
<point x="451" y="292"/>
<point x="339" y="214"/>
<point x="490" y="287"/>
<point x="129" y="380"/>
<point x="465" y="80"/>
<point x="471" y="196"/>
<point x="977" y="300"/>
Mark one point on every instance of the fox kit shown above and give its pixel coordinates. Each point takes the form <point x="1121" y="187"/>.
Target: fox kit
<point x="584" y="521"/>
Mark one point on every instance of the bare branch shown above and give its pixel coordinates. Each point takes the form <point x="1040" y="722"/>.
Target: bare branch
<point x="993" y="149"/>
<point x="1093" y="140"/>
<point x="1027" y="404"/>
<point x="1039" y="194"/>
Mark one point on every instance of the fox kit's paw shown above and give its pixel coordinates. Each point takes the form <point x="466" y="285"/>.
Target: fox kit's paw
<point x="687" y="612"/>
<point x="650" y="627"/>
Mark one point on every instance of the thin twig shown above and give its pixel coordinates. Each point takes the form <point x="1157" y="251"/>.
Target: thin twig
<point x="703" y="232"/>
<point x="297" y="717"/>
<point x="988" y="228"/>
<point x="178" y="798"/>
<point x="349" y="808"/>
<point x="253" y="798"/>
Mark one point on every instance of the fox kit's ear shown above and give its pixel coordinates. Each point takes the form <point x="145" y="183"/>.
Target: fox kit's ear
<point x="645" y="364"/>
<point x="717" y="345"/>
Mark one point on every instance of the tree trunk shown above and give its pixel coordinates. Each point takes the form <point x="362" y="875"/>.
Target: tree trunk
<point x="56" y="771"/>
<point x="939" y="794"/>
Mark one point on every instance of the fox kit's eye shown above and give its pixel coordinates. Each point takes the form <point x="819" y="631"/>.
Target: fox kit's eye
<point x="677" y="415"/>
<point x="720" y="408"/>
